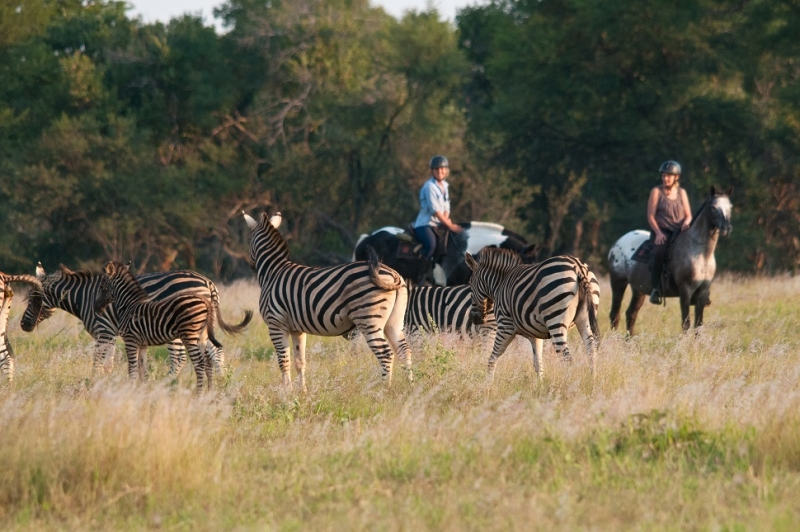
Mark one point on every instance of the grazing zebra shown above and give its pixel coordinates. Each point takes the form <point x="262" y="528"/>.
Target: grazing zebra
<point x="75" y="292"/>
<point x="536" y="301"/>
<point x="445" y="309"/>
<point x="143" y="321"/>
<point x="297" y="300"/>
<point x="6" y="295"/>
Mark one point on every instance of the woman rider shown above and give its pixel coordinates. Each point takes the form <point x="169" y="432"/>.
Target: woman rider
<point x="434" y="211"/>
<point x="668" y="212"/>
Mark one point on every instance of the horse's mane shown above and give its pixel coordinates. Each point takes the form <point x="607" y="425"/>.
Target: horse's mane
<point x="706" y="202"/>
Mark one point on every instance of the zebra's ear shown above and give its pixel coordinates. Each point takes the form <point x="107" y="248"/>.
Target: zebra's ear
<point x="40" y="273"/>
<point x="128" y="265"/>
<point x="64" y="269"/>
<point x="471" y="262"/>
<point x="251" y="223"/>
<point x="110" y="268"/>
<point x="528" y="254"/>
<point x="276" y="220"/>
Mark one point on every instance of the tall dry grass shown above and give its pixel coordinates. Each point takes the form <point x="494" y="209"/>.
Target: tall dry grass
<point x="675" y="432"/>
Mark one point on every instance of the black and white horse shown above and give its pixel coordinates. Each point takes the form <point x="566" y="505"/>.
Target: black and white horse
<point x="449" y="269"/>
<point x="691" y="263"/>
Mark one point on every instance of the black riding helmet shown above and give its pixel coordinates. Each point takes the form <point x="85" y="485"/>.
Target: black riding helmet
<point x="670" y="167"/>
<point x="439" y="161"/>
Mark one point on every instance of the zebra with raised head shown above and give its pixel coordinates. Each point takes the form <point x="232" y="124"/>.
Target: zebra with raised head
<point x="143" y="322"/>
<point x="6" y="295"/>
<point x="75" y="292"/>
<point x="536" y="301"/>
<point x="297" y="300"/>
<point x="445" y="309"/>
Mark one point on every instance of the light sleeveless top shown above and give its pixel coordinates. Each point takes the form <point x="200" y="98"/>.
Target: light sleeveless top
<point x="669" y="213"/>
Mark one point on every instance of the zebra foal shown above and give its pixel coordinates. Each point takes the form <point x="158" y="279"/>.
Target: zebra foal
<point x="76" y="291"/>
<point x="143" y="321"/>
<point x="6" y="295"/>
<point x="298" y="300"/>
<point x="536" y="301"/>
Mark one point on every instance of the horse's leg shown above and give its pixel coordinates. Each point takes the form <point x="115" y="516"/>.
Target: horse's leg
<point x="299" y="346"/>
<point x="618" y="287"/>
<point x="637" y="300"/>
<point x="686" y="299"/>
<point x="701" y="301"/>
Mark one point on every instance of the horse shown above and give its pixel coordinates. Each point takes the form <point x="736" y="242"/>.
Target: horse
<point x="690" y="261"/>
<point x="449" y="268"/>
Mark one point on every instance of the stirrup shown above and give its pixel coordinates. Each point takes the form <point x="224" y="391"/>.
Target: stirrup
<point x="655" y="297"/>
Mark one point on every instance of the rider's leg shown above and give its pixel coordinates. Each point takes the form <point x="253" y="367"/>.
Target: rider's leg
<point x="427" y="238"/>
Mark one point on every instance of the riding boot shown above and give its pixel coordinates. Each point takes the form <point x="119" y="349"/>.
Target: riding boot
<point x="424" y="271"/>
<point x="655" y="281"/>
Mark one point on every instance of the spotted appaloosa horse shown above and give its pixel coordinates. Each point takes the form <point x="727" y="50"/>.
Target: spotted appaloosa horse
<point x="449" y="269"/>
<point x="690" y="262"/>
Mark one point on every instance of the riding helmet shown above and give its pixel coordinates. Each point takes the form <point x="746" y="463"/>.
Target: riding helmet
<point x="670" y="167"/>
<point x="439" y="161"/>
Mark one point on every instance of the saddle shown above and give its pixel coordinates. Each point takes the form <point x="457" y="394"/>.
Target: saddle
<point x="645" y="252"/>
<point x="408" y="246"/>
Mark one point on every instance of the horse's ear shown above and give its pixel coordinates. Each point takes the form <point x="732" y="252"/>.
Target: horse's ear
<point x="471" y="262"/>
<point x="713" y="191"/>
<point x="40" y="273"/>
<point x="729" y="191"/>
<point x="529" y="254"/>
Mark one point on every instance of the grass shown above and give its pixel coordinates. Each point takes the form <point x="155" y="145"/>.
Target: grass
<point x="676" y="432"/>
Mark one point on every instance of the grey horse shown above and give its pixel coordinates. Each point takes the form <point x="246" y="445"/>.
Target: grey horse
<point x="690" y="262"/>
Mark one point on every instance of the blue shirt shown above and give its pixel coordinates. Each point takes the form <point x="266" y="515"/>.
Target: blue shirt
<point x="431" y="201"/>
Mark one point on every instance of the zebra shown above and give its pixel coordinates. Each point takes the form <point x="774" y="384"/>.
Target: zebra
<point x="445" y="309"/>
<point x="298" y="300"/>
<point x="536" y="301"/>
<point x="6" y="295"/>
<point x="76" y="291"/>
<point x="144" y="321"/>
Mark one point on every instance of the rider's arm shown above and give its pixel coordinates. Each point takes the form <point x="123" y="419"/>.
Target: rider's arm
<point x="444" y="217"/>
<point x="687" y="220"/>
<point x="652" y="205"/>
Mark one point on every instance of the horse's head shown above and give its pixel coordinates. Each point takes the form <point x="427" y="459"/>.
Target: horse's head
<point x="720" y="211"/>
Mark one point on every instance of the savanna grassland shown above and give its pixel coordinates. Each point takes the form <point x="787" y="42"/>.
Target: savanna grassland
<point x="676" y="432"/>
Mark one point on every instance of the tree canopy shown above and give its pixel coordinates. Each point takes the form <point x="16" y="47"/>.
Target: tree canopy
<point x="144" y="142"/>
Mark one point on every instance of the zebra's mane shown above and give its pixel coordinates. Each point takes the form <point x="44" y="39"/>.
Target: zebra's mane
<point x="130" y="280"/>
<point x="272" y="235"/>
<point x="499" y="258"/>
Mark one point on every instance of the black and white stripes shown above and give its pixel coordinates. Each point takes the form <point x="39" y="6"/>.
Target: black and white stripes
<point x="143" y="322"/>
<point x="6" y="296"/>
<point x="444" y="309"/>
<point x="536" y="301"/>
<point x="297" y="300"/>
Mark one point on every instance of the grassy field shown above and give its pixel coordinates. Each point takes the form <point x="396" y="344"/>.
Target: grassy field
<point x="677" y="432"/>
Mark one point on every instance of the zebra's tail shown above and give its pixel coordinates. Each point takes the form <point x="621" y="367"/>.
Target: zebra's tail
<point x="374" y="272"/>
<point x="233" y="329"/>
<point x="586" y="292"/>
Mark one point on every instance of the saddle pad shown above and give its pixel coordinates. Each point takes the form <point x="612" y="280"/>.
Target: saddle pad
<point x="406" y="250"/>
<point x="643" y="253"/>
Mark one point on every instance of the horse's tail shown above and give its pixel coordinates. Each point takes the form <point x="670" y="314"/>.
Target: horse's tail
<point x="374" y="272"/>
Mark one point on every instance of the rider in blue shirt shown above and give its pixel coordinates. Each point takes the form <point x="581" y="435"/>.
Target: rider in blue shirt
<point x="434" y="211"/>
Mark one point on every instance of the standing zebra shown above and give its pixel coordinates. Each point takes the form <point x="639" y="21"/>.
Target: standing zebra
<point x="298" y="300"/>
<point x="537" y="301"/>
<point x="75" y="292"/>
<point x="445" y="309"/>
<point x="143" y="321"/>
<point x="6" y="295"/>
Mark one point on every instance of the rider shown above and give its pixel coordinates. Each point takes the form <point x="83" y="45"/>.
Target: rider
<point x="434" y="210"/>
<point x="668" y="212"/>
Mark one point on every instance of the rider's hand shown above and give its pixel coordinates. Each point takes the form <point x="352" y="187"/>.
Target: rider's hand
<point x="457" y="229"/>
<point x="684" y="226"/>
<point x="660" y="238"/>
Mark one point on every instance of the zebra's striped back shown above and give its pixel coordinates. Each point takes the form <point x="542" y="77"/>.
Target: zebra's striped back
<point x="537" y="301"/>
<point x="6" y="353"/>
<point x="443" y="309"/>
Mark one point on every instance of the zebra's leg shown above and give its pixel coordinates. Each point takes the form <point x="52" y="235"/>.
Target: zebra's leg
<point x="7" y="360"/>
<point x="132" y="352"/>
<point x="537" y="344"/>
<point x="637" y="300"/>
<point x="217" y="357"/>
<point x="377" y="342"/>
<point x="585" y="330"/>
<point x="618" y="287"/>
<point x="558" y="332"/>
<point x="299" y="346"/>
<point x="142" y="360"/>
<point x="505" y="334"/>
<point x="103" y="350"/>
<point x="177" y="357"/>
<point x="395" y="334"/>
<point x="280" y="339"/>
<point x="198" y="361"/>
